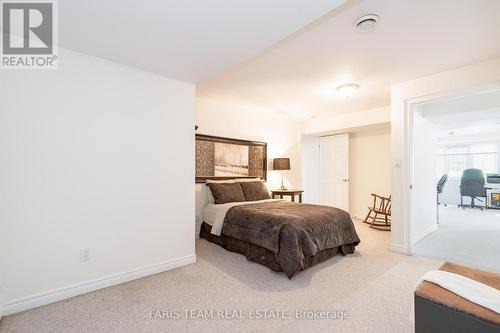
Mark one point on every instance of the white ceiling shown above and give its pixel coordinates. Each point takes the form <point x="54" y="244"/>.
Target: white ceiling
<point x="189" y="40"/>
<point x="476" y="122"/>
<point x="461" y="111"/>
<point x="298" y="76"/>
<point x="476" y="115"/>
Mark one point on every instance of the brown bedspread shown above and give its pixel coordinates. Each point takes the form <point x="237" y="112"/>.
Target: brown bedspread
<point x="293" y="231"/>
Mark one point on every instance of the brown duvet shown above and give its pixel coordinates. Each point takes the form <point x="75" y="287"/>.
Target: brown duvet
<point x="294" y="232"/>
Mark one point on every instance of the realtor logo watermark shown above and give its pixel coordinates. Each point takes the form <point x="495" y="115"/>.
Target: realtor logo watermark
<point x="29" y="34"/>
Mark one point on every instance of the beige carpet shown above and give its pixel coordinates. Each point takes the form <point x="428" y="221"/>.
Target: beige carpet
<point x="374" y="285"/>
<point x="465" y="236"/>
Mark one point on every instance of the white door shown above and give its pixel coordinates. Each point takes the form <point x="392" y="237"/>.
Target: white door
<point x="334" y="171"/>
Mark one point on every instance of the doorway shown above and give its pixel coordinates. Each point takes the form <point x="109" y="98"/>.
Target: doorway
<point x="325" y="170"/>
<point x="365" y="156"/>
<point x="449" y="139"/>
<point x="334" y="171"/>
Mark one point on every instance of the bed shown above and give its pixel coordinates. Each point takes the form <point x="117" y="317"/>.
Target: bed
<point x="281" y="235"/>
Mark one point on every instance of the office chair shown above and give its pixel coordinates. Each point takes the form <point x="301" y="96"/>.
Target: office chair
<point x="440" y="186"/>
<point x="472" y="184"/>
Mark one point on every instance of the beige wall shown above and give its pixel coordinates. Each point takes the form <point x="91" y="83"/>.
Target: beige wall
<point x="369" y="168"/>
<point x="236" y="120"/>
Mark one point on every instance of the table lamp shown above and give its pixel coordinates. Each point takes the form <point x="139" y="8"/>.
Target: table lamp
<point x="281" y="164"/>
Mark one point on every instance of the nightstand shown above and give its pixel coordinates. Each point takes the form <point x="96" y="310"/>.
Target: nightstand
<point x="291" y="193"/>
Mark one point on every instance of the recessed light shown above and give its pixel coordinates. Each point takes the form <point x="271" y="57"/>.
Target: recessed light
<point x="347" y="90"/>
<point x="367" y="23"/>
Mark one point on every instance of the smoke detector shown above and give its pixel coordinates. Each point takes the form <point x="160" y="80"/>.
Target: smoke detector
<point x="367" y="23"/>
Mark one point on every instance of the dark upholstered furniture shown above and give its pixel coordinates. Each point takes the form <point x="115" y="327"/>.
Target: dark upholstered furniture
<point x="472" y="184"/>
<point x="440" y="310"/>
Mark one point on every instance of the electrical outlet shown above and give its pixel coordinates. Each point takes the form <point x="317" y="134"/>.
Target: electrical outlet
<point x="85" y="255"/>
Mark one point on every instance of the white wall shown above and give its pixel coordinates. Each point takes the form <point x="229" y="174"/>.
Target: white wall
<point x="332" y="124"/>
<point x="282" y="134"/>
<point x="369" y="168"/>
<point x="479" y="74"/>
<point x="97" y="156"/>
<point x="425" y="178"/>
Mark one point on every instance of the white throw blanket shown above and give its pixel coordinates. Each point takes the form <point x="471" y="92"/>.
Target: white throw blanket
<point x="472" y="290"/>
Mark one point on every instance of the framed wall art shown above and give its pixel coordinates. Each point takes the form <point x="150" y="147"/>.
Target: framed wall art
<point x="224" y="158"/>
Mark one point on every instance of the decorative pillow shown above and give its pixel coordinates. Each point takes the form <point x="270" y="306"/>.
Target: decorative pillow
<point x="210" y="196"/>
<point x="226" y="192"/>
<point x="255" y="191"/>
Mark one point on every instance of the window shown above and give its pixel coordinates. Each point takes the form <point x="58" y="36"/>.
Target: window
<point x="454" y="159"/>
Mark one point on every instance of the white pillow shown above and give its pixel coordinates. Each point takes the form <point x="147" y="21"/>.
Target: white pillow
<point x="243" y="180"/>
<point x="210" y="196"/>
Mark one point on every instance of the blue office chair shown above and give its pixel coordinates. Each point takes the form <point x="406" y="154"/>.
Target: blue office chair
<point x="472" y="184"/>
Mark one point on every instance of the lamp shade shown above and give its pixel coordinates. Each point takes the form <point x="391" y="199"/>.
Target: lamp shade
<point x="281" y="164"/>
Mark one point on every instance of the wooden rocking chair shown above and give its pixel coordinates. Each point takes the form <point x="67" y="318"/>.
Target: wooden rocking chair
<point x="379" y="216"/>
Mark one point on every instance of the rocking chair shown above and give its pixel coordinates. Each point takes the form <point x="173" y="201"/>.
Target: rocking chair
<point x="379" y="216"/>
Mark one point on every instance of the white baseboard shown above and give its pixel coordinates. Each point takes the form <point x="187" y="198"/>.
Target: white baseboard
<point x="424" y="233"/>
<point x="397" y="248"/>
<point x="60" y="294"/>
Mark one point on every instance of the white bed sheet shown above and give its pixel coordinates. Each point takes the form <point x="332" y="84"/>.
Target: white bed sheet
<point x="214" y="214"/>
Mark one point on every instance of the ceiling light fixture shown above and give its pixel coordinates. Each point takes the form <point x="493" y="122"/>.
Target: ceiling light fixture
<point x="348" y="90"/>
<point x="367" y="23"/>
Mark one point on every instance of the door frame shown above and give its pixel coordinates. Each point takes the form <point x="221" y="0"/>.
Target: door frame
<point x="408" y="158"/>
